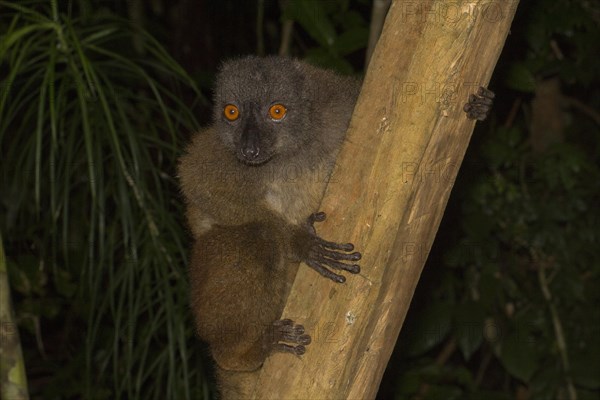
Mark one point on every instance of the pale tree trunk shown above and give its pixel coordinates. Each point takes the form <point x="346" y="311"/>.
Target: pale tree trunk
<point x="405" y="144"/>
<point x="13" y="381"/>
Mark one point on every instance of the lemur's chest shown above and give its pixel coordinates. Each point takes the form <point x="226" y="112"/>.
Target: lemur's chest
<point x="296" y="193"/>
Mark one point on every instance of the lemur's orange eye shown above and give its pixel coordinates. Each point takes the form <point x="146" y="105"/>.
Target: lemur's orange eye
<point x="277" y="112"/>
<point x="231" y="112"/>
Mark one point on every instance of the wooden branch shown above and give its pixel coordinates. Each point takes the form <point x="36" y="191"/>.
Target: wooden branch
<point x="405" y="144"/>
<point x="378" y="13"/>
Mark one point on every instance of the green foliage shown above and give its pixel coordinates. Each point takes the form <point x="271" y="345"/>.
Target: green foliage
<point x="90" y="130"/>
<point x="337" y="29"/>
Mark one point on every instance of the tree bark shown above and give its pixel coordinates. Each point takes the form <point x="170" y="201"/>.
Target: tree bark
<point x="378" y="13"/>
<point x="13" y="380"/>
<point x="394" y="174"/>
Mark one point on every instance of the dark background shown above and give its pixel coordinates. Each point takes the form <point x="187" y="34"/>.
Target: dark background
<point x="94" y="112"/>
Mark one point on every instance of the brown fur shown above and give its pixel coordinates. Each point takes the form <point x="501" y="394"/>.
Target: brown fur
<point x="248" y="221"/>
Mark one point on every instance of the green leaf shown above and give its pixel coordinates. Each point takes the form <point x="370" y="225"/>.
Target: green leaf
<point x="431" y="327"/>
<point x="468" y="326"/>
<point x="47" y="307"/>
<point x="312" y="16"/>
<point x="519" y="77"/>
<point x="445" y="392"/>
<point x="489" y="395"/>
<point x="14" y="37"/>
<point x="544" y="382"/>
<point x="518" y="355"/>
<point x="350" y="20"/>
<point x="64" y="283"/>
<point x="585" y="366"/>
<point x="351" y="41"/>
